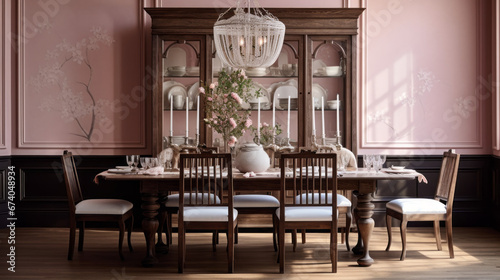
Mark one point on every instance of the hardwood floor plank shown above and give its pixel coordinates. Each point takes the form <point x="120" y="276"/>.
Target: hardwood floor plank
<point x="41" y="254"/>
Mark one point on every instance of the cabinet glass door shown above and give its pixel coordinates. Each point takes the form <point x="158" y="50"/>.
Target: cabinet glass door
<point x="181" y="80"/>
<point x="328" y="91"/>
<point x="278" y="86"/>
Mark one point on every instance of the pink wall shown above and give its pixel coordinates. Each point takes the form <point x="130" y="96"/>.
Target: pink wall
<point x="424" y="80"/>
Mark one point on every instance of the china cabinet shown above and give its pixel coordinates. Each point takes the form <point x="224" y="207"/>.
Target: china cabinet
<point x="311" y="88"/>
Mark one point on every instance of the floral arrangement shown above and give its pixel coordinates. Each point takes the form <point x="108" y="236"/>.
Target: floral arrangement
<point x="267" y="133"/>
<point x="223" y="101"/>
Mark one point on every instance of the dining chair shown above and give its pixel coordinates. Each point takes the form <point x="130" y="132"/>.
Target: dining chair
<point x="97" y="210"/>
<point x="308" y="175"/>
<point x="344" y="205"/>
<point x="435" y="209"/>
<point x="170" y="205"/>
<point x="259" y="204"/>
<point x="206" y="174"/>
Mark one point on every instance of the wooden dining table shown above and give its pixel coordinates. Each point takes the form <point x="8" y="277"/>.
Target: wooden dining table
<point x="362" y="182"/>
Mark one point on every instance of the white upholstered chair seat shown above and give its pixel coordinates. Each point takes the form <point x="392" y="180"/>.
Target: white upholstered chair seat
<point x="417" y="206"/>
<point x="207" y="214"/>
<point x="255" y="201"/>
<point x="103" y="206"/>
<point x="173" y="199"/>
<point x="342" y="201"/>
<point x="304" y="213"/>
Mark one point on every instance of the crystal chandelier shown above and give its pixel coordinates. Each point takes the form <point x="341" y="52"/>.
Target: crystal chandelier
<point x="248" y="40"/>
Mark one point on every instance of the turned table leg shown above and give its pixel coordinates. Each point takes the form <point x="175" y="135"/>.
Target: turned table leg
<point x="150" y="208"/>
<point x="363" y="215"/>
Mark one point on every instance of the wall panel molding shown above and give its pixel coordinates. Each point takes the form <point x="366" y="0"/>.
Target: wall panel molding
<point x="142" y="142"/>
<point x="477" y="142"/>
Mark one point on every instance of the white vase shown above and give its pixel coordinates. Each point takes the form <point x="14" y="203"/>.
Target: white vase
<point x="252" y="158"/>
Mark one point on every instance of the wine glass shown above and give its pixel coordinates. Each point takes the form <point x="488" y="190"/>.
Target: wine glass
<point x="368" y="161"/>
<point x="130" y="161"/>
<point x="136" y="159"/>
<point x="143" y="162"/>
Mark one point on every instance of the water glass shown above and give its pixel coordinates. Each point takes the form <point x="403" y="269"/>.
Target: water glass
<point x="130" y="161"/>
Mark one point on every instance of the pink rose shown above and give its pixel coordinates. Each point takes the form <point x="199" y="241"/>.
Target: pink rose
<point x="216" y="83"/>
<point x="225" y="94"/>
<point x="232" y="141"/>
<point x="265" y="124"/>
<point x="236" y="97"/>
<point x="248" y="123"/>
<point x="209" y="98"/>
<point x="212" y="85"/>
<point x="232" y="122"/>
<point x="201" y="90"/>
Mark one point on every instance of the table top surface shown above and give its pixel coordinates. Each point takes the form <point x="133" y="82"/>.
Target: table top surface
<point x="352" y="174"/>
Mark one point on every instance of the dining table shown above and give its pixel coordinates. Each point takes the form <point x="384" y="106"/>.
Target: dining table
<point x="363" y="183"/>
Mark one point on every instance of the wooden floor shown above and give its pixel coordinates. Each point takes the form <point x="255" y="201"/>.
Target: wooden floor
<point x="41" y="254"/>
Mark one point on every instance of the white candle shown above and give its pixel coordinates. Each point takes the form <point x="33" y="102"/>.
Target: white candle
<point x="288" y="122"/>
<point x="274" y="116"/>
<point x="322" y="117"/>
<point x="198" y="116"/>
<point x="338" y="116"/>
<point x="258" y="122"/>
<point x="187" y="116"/>
<point x="314" y="118"/>
<point x="171" y="116"/>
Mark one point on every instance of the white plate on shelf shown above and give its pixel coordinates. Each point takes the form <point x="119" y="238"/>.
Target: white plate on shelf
<point x="317" y="92"/>
<point x="284" y="91"/>
<point x="166" y="88"/>
<point x="193" y="93"/>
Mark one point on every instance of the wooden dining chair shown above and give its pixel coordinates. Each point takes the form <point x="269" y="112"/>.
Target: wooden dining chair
<point x="260" y="204"/>
<point x="344" y="205"/>
<point x="308" y="175"/>
<point x="438" y="209"/>
<point x="97" y="210"/>
<point x="206" y="174"/>
<point x="170" y="205"/>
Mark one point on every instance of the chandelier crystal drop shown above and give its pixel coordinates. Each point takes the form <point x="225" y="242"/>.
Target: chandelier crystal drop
<point x="249" y="39"/>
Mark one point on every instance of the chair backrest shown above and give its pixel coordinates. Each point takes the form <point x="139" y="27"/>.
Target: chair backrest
<point x="206" y="175"/>
<point x="311" y="176"/>
<point x="445" y="190"/>
<point x="72" y="183"/>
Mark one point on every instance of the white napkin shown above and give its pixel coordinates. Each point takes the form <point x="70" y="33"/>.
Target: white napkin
<point x="155" y="171"/>
<point x="249" y="174"/>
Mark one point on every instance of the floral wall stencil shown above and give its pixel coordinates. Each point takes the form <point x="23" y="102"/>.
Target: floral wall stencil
<point x="75" y="100"/>
<point x="82" y="77"/>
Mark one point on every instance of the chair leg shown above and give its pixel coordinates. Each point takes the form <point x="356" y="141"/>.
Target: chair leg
<point x="303" y="236"/>
<point x="281" y="241"/>
<point x="388" y="222"/>
<point x="437" y="234"/>
<point x="169" y="227"/>
<point x="333" y="250"/>
<point x="236" y="235"/>
<point x="348" y="221"/>
<point x="230" y="250"/>
<point x="181" y="248"/>
<point x="129" y="235"/>
<point x="449" y="235"/>
<point x="404" y="222"/>
<point x="294" y="239"/>
<point x="275" y="229"/>
<point x="81" y="236"/>
<point x="121" y="225"/>
<point x="162" y="219"/>
<point x="71" y="247"/>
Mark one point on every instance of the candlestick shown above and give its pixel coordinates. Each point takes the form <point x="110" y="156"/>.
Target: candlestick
<point x="288" y="122"/>
<point x="198" y="116"/>
<point x="338" y="116"/>
<point x="171" y="116"/>
<point x="314" y="118"/>
<point x="322" y="117"/>
<point x="187" y="117"/>
<point x="258" y="122"/>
